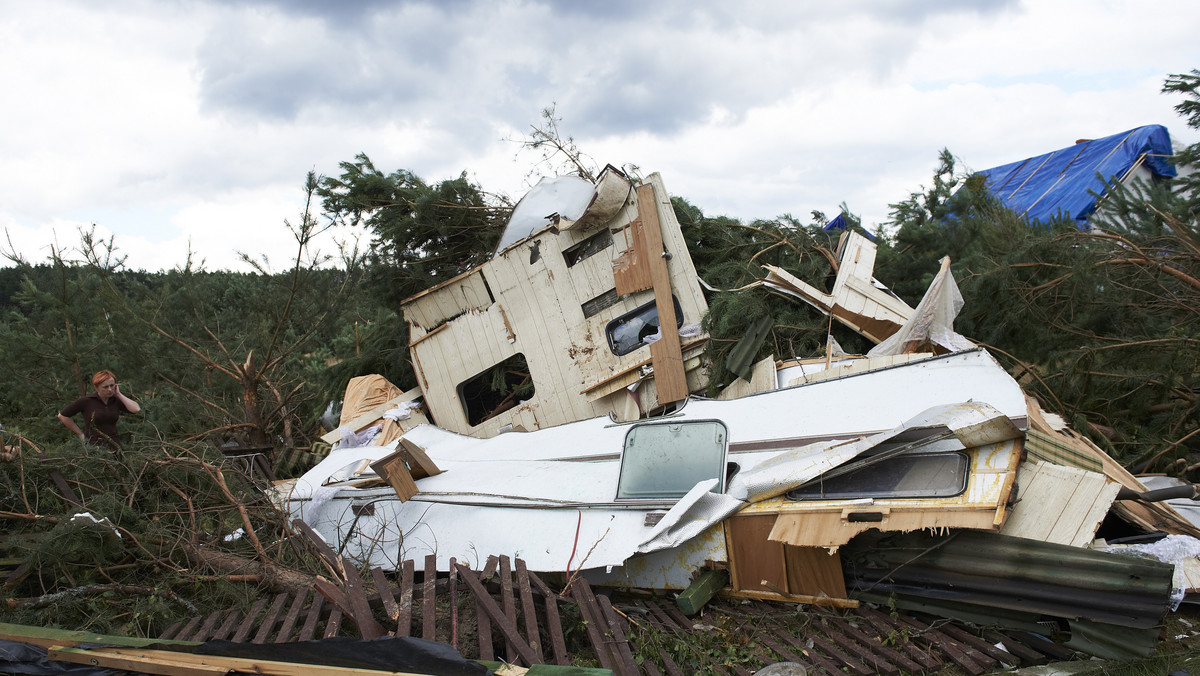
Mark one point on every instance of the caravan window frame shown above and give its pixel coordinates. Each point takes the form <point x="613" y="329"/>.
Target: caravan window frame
<point x="655" y="467"/>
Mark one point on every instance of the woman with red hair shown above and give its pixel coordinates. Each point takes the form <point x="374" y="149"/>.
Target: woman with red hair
<point x="100" y="411"/>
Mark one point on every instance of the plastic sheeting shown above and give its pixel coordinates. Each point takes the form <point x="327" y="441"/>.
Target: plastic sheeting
<point x="365" y="393"/>
<point x="388" y="653"/>
<point x="24" y="658"/>
<point x="931" y="323"/>
<point x="1065" y="181"/>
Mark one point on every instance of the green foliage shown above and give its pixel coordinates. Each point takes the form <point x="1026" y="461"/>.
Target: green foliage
<point x="130" y="571"/>
<point x="1101" y="326"/>
<point x="422" y="234"/>
<point x="729" y="255"/>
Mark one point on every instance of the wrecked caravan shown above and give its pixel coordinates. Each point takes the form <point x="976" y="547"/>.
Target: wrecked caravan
<point x="606" y="462"/>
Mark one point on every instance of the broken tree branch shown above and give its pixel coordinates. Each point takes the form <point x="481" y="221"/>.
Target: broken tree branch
<point x="96" y="589"/>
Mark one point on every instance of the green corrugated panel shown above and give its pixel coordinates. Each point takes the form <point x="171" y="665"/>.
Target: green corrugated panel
<point x="1112" y="643"/>
<point x="1045" y="447"/>
<point x="995" y="575"/>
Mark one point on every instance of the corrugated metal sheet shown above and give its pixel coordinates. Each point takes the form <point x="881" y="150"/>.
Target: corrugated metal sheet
<point x="993" y="572"/>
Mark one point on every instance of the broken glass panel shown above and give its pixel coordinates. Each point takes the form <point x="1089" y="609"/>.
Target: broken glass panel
<point x="629" y="331"/>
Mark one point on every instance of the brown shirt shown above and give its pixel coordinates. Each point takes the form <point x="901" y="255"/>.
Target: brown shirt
<point x="99" y="419"/>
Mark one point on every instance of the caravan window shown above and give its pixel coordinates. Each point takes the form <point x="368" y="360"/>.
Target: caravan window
<point x="496" y="390"/>
<point x="917" y="475"/>
<point x="665" y="460"/>
<point x="627" y="332"/>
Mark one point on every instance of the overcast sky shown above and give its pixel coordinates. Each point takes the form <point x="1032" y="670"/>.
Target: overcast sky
<point x="191" y="123"/>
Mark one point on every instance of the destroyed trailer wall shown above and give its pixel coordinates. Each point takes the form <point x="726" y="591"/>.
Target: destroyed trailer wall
<point x="551" y="329"/>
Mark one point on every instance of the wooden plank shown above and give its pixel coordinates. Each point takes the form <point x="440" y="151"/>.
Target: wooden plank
<point x="669" y="664"/>
<point x="958" y="653"/>
<point x="309" y="629"/>
<point x="506" y="597"/>
<point x="47" y="637"/>
<point x="171" y="631"/>
<point x="755" y="562"/>
<point x="206" y="629"/>
<point x="1026" y="654"/>
<point x="334" y="595"/>
<point x="508" y="629"/>
<point x="404" y="619"/>
<point x="268" y="623"/>
<point x="813" y="571"/>
<point x="815" y="657"/>
<point x="1060" y="504"/>
<point x="403" y="467"/>
<point x="651" y="618"/>
<point x="428" y="599"/>
<point x="247" y="624"/>
<point x="189" y="629"/>
<point x="293" y="615"/>
<point x="779" y="649"/>
<point x="886" y="627"/>
<point x="483" y="623"/>
<point x="664" y="619"/>
<point x="553" y="622"/>
<point x="334" y="624"/>
<point x="666" y="353"/>
<point x="142" y="662"/>
<point x="328" y="556"/>
<point x="1042" y="645"/>
<point x="1040" y="498"/>
<point x="822" y="601"/>
<point x="226" y="629"/>
<point x="590" y="612"/>
<point x="868" y="657"/>
<point x="367" y="626"/>
<point x="824" y="644"/>
<point x="892" y="655"/>
<point x="701" y="590"/>
<point x="386" y="596"/>
<point x="452" y="586"/>
<point x="631" y="269"/>
<point x="672" y="610"/>
<point x="623" y="654"/>
<point x="393" y="469"/>
<point x="1083" y="513"/>
<point x="172" y="658"/>
<point x="979" y="644"/>
<point x="542" y="587"/>
<point x="529" y="611"/>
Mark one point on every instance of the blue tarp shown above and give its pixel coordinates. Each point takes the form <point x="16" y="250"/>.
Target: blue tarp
<point x="1065" y="181"/>
<point x="840" y="223"/>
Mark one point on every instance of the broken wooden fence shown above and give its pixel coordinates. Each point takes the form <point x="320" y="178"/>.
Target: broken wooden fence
<point x="506" y="612"/>
<point x="499" y="612"/>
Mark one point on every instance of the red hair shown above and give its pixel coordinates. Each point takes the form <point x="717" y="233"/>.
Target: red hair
<point x="102" y="376"/>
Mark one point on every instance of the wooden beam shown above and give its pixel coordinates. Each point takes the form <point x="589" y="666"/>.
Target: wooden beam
<point x="593" y="621"/>
<point x="494" y="612"/>
<point x="698" y="593"/>
<point x="48" y="638"/>
<point x="367" y="626"/>
<point x="148" y="660"/>
<point x="631" y="269"/>
<point x="666" y="352"/>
